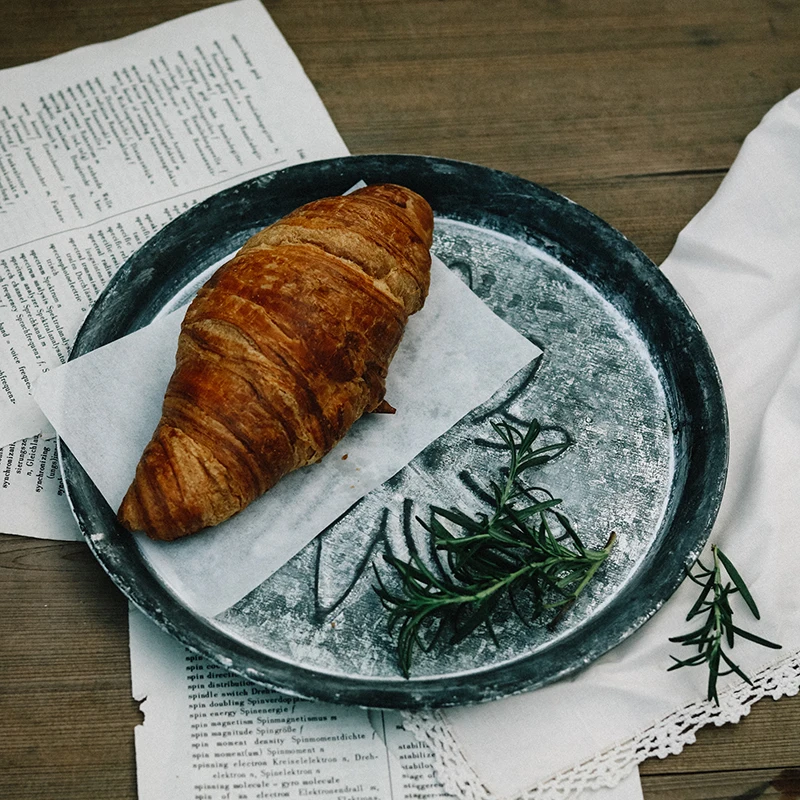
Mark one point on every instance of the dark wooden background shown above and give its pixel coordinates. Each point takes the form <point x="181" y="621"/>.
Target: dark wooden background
<point x="632" y="108"/>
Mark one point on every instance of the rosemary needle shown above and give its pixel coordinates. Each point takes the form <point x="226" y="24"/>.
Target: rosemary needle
<point x="718" y="629"/>
<point x="525" y="551"/>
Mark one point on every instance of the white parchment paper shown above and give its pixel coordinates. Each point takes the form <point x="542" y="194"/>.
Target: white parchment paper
<point x="455" y="354"/>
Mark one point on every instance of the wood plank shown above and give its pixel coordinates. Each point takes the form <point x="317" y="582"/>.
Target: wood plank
<point x="65" y="699"/>
<point x="29" y="31"/>
<point x="646" y="209"/>
<point x="782" y="784"/>
<point x="769" y="734"/>
<point x="563" y="95"/>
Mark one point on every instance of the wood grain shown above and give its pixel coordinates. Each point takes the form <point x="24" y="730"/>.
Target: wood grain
<point x="635" y="110"/>
<point x="733" y="785"/>
<point x="65" y="699"/>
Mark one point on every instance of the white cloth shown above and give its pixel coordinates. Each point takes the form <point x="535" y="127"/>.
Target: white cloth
<point x="737" y="265"/>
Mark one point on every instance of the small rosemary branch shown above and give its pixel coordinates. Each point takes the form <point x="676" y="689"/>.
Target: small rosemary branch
<point x="525" y="551"/>
<point x="718" y="629"/>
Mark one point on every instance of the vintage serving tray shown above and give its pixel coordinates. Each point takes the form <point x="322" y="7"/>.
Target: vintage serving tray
<point x="626" y="374"/>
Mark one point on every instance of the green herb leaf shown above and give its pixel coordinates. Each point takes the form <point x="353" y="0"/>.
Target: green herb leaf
<point x="718" y="628"/>
<point x="509" y="556"/>
<point x="738" y="583"/>
<point x="757" y="639"/>
<point x="700" y="602"/>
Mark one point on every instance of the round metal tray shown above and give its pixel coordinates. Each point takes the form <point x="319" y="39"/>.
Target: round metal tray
<point x="626" y="373"/>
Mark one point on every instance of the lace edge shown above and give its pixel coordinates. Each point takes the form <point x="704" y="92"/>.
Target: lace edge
<point x="666" y="737"/>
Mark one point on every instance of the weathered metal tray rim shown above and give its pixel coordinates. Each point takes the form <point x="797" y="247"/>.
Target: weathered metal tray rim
<point x="531" y="208"/>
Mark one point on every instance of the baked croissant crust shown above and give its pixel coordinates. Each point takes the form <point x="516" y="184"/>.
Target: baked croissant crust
<point x="281" y="351"/>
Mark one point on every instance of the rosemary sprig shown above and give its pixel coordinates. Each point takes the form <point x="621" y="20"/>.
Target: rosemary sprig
<point x="525" y="551"/>
<point x="718" y="629"/>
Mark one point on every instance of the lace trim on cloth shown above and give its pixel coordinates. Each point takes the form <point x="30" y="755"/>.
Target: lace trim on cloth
<point x="667" y="737"/>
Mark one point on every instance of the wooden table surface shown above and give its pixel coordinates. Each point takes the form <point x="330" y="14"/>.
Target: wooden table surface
<point x="632" y="108"/>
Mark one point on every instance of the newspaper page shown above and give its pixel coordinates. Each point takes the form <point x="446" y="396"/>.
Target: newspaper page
<point x="99" y="149"/>
<point x="211" y="735"/>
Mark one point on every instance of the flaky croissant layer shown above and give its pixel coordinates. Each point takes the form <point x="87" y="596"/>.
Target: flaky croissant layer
<point x="282" y="350"/>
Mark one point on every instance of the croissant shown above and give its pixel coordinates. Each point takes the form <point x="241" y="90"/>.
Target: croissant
<point x="280" y="352"/>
